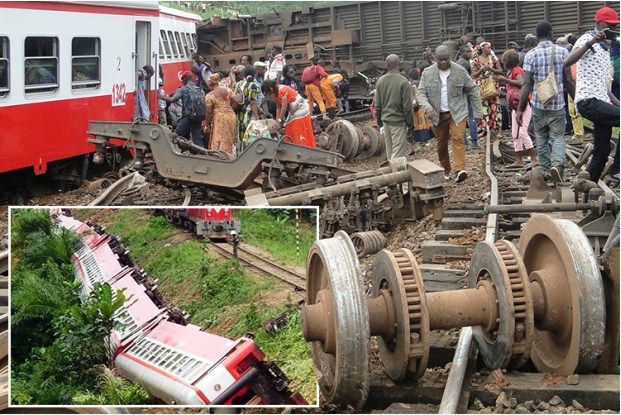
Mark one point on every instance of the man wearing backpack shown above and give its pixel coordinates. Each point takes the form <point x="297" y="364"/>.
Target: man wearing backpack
<point x="193" y="113"/>
<point x="311" y="77"/>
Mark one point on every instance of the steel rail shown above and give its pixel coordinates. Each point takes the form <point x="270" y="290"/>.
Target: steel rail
<point x="454" y="382"/>
<point x="290" y="277"/>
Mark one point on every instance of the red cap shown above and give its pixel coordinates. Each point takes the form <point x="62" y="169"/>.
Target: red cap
<point x="184" y="73"/>
<point x="607" y="14"/>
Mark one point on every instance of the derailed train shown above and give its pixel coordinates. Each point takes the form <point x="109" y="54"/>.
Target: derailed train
<point x="211" y="222"/>
<point x="155" y="346"/>
<point x="360" y="35"/>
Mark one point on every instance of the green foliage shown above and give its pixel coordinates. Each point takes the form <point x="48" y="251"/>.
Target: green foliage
<point x="274" y="230"/>
<point x="26" y="222"/>
<point x="69" y="366"/>
<point x="57" y="247"/>
<point x="58" y="344"/>
<point x="233" y="8"/>
<point x="175" y="262"/>
<point x="113" y="390"/>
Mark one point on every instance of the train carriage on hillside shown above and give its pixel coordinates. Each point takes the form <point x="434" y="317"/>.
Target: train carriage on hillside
<point x="154" y="345"/>
<point x="63" y="64"/>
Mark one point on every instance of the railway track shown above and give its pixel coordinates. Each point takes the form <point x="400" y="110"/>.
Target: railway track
<point x="260" y="264"/>
<point x="456" y="241"/>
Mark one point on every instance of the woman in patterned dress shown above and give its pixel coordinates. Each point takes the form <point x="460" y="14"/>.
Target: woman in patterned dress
<point x="220" y="116"/>
<point x="484" y="66"/>
<point x="247" y="92"/>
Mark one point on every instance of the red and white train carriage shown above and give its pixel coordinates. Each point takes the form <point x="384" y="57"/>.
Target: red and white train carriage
<point x="173" y="360"/>
<point x="65" y="63"/>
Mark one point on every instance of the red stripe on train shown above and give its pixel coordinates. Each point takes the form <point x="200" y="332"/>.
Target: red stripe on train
<point x="80" y="8"/>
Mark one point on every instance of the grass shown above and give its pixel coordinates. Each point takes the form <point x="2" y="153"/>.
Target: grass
<point x="217" y="293"/>
<point x="272" y="231"/>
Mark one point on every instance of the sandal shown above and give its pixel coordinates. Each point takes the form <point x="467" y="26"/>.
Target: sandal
<point x="515" y="165"/>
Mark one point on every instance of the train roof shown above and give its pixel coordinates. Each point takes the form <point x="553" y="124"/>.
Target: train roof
<point x="139" y="4"/>
<point x="180" y="13"/>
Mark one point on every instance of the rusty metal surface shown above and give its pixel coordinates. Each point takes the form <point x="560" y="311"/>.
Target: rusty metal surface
<point x="368" y="243"/>
<point x="334" y="270"/>
<point x="568" y="296"/>
<point x="239" y="173"/>
<point x="609" y="362"/>
<point x="396" y="275"/>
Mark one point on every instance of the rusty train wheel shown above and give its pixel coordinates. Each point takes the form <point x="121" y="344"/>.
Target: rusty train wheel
<point x="407" y="354"/>
<point x="509" y="342"/>
<point x="568" y="296"/>
<point x="334" y="281"/>
<point x="374" y="142"/>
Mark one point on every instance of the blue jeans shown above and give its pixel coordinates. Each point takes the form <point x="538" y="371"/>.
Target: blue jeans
<point x="549" y="126"/>
<point x="186" y="128"/>
<point x="472" y="124"/>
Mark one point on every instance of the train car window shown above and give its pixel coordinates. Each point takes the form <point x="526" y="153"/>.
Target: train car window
<point x="173" y="45"/>
<point x="85" y="62"/>
<point x="182" y="53"/>
<point x="194" y="42"/>
<point x="166" y="44"/>
<point x="40" y="64"/>
<point x="190" y="44"/>
<point x="161" y="50"/>
<point x="4" y="65"/>
<point x="186" y="48"/>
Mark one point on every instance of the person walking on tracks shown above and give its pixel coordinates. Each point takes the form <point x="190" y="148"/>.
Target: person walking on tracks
<point x="193" y="112"/>
<point x="393" y="108"/>
<point x="594" y="98"/>
<point x="545" y="77"/>
<point x="443" y="93"/>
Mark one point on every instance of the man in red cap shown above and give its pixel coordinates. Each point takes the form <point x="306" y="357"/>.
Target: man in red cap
<point x="193" y="112"/>
<point x="594" y="98"/>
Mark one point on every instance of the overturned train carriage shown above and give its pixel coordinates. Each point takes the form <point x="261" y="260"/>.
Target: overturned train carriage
<point x="154" y="345"/>
<point x="361" y="35"/>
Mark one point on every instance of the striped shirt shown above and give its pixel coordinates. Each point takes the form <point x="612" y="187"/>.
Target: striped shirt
<point x="537" y="61"/>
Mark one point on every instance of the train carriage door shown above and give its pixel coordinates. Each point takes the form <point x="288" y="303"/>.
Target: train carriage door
<point x="142" y="57"/>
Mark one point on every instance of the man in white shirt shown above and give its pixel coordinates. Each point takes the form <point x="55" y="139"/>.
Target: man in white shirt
<point x="444" y="91"/>
<point x="277" y="63"/>
<point x="594" y="99"/>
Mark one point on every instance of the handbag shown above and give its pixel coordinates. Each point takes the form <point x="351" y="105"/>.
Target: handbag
<point x="488" y="87"/>
<point x="547" y="89"/>
<point x="513" y="96"/>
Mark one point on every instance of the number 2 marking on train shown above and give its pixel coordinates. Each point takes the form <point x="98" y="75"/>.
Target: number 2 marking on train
<point x="118" y="94"/>
<point x="118" y="63"/>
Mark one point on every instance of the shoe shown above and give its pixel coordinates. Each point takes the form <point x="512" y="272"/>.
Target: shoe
<point x="556" y="174"/>
<point x="461" y="176"/>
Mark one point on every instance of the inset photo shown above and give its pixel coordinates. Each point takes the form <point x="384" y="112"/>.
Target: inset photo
<point x="160" y="306"/>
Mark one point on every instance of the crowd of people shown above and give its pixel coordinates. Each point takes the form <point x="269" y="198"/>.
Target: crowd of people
<point x="249" y="92"/>
<point x="538" y="92"/>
